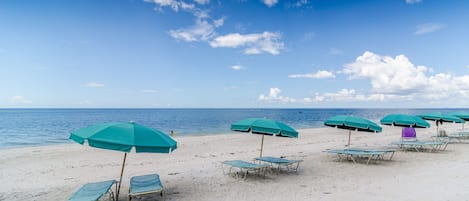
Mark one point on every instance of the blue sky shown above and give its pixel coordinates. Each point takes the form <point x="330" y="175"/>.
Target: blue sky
<point x="234" y="53"/>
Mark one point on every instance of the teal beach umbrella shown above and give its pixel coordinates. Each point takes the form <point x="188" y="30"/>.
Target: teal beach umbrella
<point x="404" y="120"/>
<point x="264" y="127"/>
<point x="462" y="115"/>
<point x="442" y="117"/>
<point x="439" y="117"/>
<point x="352" y="123"/>
<point x="124" y="137"/>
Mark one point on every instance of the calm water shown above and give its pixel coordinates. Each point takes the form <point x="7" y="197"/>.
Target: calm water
<point x="31" y="127"/>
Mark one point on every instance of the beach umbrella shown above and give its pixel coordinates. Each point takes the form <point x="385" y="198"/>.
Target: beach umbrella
<point x="404" y="120"/>
<point x="462" y="115"/>
<point x="439" y="117"/>
<point x="352" y="123"/>
<point x="264" y="126"/>
<point x="124" y="137"/>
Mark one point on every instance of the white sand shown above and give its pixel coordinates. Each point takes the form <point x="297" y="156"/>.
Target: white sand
<point x="194" y="170"/>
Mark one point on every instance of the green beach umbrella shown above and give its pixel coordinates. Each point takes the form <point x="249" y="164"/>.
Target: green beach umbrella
<point x="404" y="120"/>
<point x="462" y="115"/>
<point x="352" y="123"/>
<point x="264" y="127"/>
<point x="439" y="117"/>
<point x="123" y="137"/>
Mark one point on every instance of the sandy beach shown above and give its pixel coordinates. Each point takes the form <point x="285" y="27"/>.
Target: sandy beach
<point x="194" y="171"/>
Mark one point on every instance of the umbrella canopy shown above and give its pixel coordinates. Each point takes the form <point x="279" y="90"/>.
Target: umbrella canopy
<point x="404" y="120"/>
<point x="124" y="137"/>
<point x="442" y="117"/>
<point x="352" y="123"/>
<point x="462" y="115"/>
<point x="265" y="127"/>
<point x="438" y="117"/>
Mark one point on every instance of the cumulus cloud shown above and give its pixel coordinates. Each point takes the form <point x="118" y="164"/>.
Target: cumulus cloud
<point x="320" y="74"/>
<point x="428" y="28"/>
<point x="270" y="3"/>
<point x="413" y="1"/>
<point x="205" y="29"/>
<point x="399" y="78"/>
<point x="94" y="84"/>
<point x="274" y="96"/>
<point x="201" y="31"/>
<point x="202" y="2"/>
<point x="392" y="79"/>
<point x="19" y="100"/>
<point x="238" y="67"/>
<point x="173" y="4"/>
<point x="266" y="42"/>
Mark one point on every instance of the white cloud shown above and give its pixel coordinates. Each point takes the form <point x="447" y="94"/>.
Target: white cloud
<point x="395" y="80"/>
<point x="266" y="42"/>
<point x="202" y="2"/>
<point x="300" y="3"/>
<point x="336" y="51"/>
<point x="148" y="91"/>
<point x="320" y="74"/>
<point x="219" y="22"/>
<point x="413" y="1"/>
<point x="201" y="31"/>
<point x="204" y="29"/>
<point x="275" y="97"/>
<point x="428" y="28"/>
<point x="94" y="84"/>
<point x="174" y="4"/>
<point x="398" y="78"/>
<point x="238" y="67"/>
<point x="19" y="100"/>
<point x="270" y="3"/>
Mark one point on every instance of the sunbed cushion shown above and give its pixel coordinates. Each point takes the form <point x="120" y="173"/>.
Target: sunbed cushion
<point x="92" y="191"/>
<point x="145" y="183"/>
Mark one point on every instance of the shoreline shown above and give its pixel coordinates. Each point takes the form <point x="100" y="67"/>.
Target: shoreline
<point x="194" y="171"/>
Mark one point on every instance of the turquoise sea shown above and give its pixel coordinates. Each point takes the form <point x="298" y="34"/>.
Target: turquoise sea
<point x="32" y="127"/>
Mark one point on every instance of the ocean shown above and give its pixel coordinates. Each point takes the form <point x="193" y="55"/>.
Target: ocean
<point x="34" y="127"/>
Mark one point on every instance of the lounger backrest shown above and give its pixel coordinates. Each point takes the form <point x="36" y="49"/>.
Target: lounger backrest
<point x="409" y="134"/>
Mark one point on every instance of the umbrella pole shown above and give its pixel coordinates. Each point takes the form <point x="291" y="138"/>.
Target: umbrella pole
<point x="120" y="180"/>
<point x="262" y="144"/>
<point x="349" y="133"/>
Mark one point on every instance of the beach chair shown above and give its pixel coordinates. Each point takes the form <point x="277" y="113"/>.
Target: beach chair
<point x="146" y="185"/>
<point x="418" y="145"/>
<point x="94" y="191"/>
<point x="244" y="167"/>
<point x="356" y="155"/>
<point x="281" y="162"/>
<point x="378" y="150"/>
<point x="409" y="134"/>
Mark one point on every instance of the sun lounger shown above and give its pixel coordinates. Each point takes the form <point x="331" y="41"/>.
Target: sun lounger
<point x="93" y="191"/>
<point x="356" y="155"/>
<point x="281" y="162"/>
<point x="244" y="167"/>
<point x="146" y="185"/>
<point x="377" y="150"/>
<point x="454" y="137"/>
<point x="418" y="145"/>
